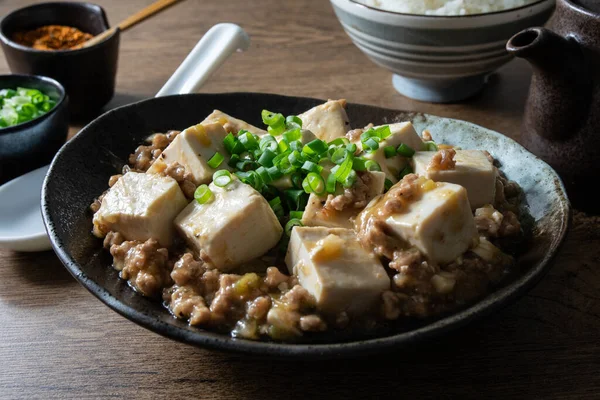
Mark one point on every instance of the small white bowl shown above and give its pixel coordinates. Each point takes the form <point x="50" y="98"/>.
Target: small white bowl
<point x="437" y="59"/>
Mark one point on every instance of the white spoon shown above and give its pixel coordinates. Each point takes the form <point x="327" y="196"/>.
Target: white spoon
<point x="21" y="225"/>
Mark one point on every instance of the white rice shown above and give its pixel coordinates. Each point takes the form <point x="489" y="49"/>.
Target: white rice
<point x="445" y="7"/>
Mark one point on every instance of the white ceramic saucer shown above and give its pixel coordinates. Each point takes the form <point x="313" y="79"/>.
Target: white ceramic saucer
<point x="21" y="225"/>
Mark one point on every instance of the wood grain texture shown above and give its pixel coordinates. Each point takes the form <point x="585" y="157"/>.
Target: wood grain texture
<point x="58" y="341"/>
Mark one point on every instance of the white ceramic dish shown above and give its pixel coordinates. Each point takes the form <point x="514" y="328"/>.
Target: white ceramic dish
<point x="21" y="225"/>
<point x="437" y="58"/>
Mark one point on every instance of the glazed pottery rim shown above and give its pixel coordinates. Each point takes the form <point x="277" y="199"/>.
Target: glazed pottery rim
<point x="223" y="342"/>
<point x="575" y="5"/>
<point x="456" y="17"/>
<point x="37" y="120"/>
<point x="9" y="42"/>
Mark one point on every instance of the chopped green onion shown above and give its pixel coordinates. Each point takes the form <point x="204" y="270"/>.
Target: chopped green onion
<point x="296" y="158"/>
<point x="291" y="224"/>
<point x="276" y="130"/>
<point x="268" y="142"/>
<point x="371" y="165"/>
<point x="316" y="146"/>
<point x="358" y="164"/>
<point x="296" y="145"/>
<point x="274" y="173"/>
<point x="371" y="144"/>
<point x="331" y="183"/>
<point x="430" y="146"/>
<point x="293" y="121"/>
<point x="248" y="140"/>
<point x="342" y="141"/>
<point x="264" y="175"/>
<point x="8" y="93"/>
<point x="389" y="151"/>
<point x="313" y="183"/>
<point x="272" y="119"/>
<point x="203" y="194"/>
<point x="283" y="146"/>
<point x="266" y="158"/>
<point x="296" y="214"/>
<point x="277" y="207"/>
<point x="292" y="135"/>
<point x="387" y="184"/>
<point x="310" y="166"/>
<point x="229" y="142"/>
<point x="297" y="180"/>
<point x="296" y="199"/>
<point x="235" y="158"/>
<point x="339" y="155"/>
<point x="383" y="132"/>
<point x="246" y="165"/>
<point x="222" y="178"/>
<point x="405" y="150"/>
<point x="351" y="148"/>
<point x="215" y="160"/>
<point x="350" y="179"/>
<point x="343" y="170"/>
<point x="407" y="170"/>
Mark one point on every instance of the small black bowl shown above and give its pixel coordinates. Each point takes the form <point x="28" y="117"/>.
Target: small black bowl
<point x="88" y="74"/>
<point x="32" y="144"/>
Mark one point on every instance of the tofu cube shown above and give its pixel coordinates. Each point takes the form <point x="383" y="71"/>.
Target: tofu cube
<point x="315" y="214"/>
<point x="236" y="226"/>
<point x="473" y="171"/>
<point x="192" y="149"/>
<point x="141" y="206"/>
<point x="327" y="121"/>
<point x="332" y="266"/>
<point x="402" y="132"/>
<point x="231" y="124"/>
<point x="440" y="224"/>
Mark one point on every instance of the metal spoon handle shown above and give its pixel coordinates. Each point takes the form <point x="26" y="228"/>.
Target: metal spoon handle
<point x="209" y="53"/>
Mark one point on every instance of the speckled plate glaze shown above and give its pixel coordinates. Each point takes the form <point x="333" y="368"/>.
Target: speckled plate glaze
<point x="81" y="169"/>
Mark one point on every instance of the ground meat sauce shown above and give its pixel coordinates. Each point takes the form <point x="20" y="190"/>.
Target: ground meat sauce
<point x="263" y="302"/>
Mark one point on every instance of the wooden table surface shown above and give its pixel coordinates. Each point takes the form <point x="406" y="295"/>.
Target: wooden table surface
<point x="57" y="340"/>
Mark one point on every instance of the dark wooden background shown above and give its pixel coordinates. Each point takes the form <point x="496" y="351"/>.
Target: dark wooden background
<point x="57" y="340"/>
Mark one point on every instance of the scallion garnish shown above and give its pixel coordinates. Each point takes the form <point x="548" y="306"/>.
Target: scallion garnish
<point x="430" y="146"/>
<point x="266" y="158"/>
<point x="296" y="199"/>
<point x="248" y="140"/>
<point x="316" y="146"/>
<point x="339" y="142"/>
<point x="405" y="150"/>
<point x="387" y="184"/>
<point x="314" y="183"/>
<point x="272" y="119"/>
<point x="296" y="214"/>
<point x="203" y="194"/>
<point x="371" y="144"/>
<point x="405" y="171"/>
<point x="371" y="165"/>
<point x="22" y="105"/>
<point x="292" y="135"/>
<point x="293" y="121"/>
<point x="222" y="178"/>
<point x="215" y="160"/>
<point x="389" y="151"/>
<point x="291" y="224"/>
<point x="277" y="207"/>
<point x="310" y="166"/>
<point x="331" y="183"/>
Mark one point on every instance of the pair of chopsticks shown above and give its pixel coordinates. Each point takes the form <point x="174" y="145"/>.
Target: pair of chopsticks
<point x="131" y="21"/>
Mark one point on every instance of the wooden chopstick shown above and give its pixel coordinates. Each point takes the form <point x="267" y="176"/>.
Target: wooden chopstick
<point x="130" y="21"/>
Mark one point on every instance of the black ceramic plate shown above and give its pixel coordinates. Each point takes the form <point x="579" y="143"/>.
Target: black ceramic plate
<point x="81" y="169"/>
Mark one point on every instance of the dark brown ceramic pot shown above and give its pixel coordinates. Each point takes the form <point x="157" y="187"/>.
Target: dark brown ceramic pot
<point x="562" y="116"/>
<point x="88" y="74"/>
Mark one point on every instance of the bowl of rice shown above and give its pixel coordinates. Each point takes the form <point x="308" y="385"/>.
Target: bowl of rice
<point x="439" y="51"/>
